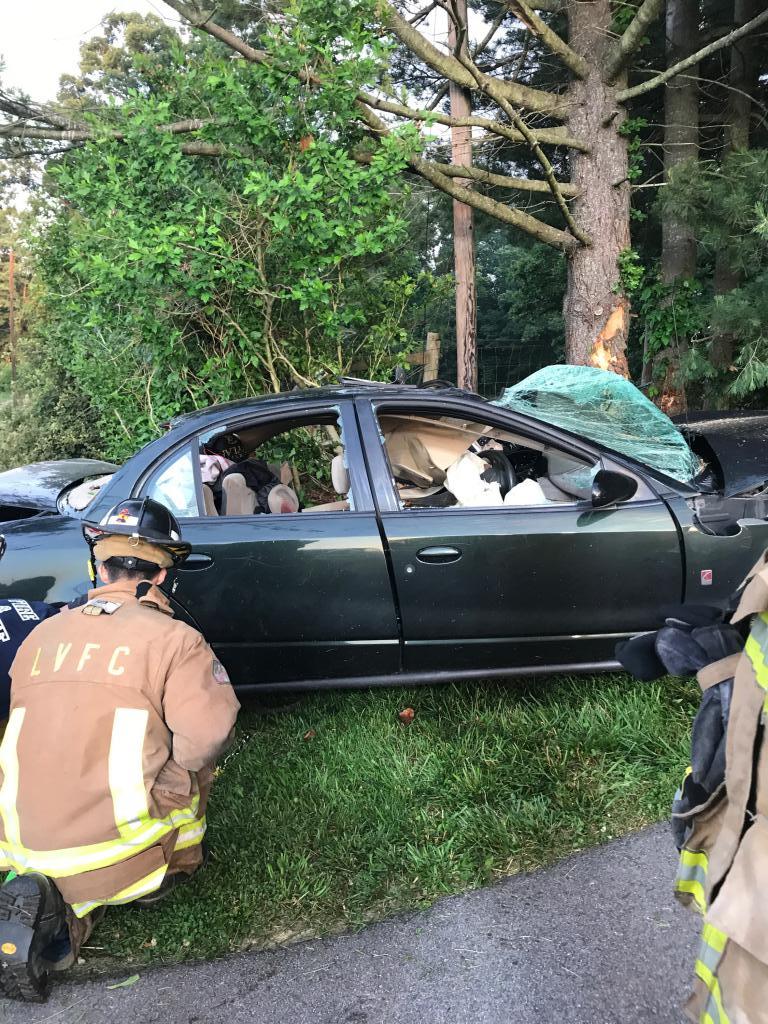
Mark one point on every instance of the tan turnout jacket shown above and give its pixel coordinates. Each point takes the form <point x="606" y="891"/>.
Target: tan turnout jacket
<point x="728" y="849"/>
<point x="118" y="711"/>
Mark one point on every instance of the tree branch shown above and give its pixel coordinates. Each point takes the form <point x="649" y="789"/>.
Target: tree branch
<point x="28" y="111"/>
<point x="550" y="38"/>
<point x="501" y="180"/>
<point x="204" y="22"/>
<point x="489" y="87"/>
<point x="633" y="37"/>
<point x="683" y="65"/>
<point x="194" y="148"/>
<point x="546" y="136"/>
<point x="500" y="211"/>
<point x="451" y="67"/>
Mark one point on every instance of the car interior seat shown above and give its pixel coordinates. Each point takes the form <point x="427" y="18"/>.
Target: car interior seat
<point x="240" y="500"/>
<point x="340" y="479"/>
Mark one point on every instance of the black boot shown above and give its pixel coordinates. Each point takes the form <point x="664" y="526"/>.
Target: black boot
<point x="31" y="914"/>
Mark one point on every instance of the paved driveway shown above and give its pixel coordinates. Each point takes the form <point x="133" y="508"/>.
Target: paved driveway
<point x="595" y="940"/>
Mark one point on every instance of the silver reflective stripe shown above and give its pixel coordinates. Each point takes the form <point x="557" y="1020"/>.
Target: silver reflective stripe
<point x="711" y="1013"/>
<point x="760" y="631"/>
<point x="691" y="873"/>
<point x="709" y="956"/>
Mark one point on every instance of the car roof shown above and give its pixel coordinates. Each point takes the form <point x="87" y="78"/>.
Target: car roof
<point x="348" y="388"/>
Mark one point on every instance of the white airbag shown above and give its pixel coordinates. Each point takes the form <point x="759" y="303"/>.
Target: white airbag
<point x="527" y="492"/>
<point x="464" y="480"/>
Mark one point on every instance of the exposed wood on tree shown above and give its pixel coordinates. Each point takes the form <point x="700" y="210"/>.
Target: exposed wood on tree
<point x="595" y="312"/>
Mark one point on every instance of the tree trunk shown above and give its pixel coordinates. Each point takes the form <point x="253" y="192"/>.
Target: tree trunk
<point x="463" y="227"/>
<point x="596" y="313"/>
<point x="742" y="78"/>
<point x="681" y="143"/>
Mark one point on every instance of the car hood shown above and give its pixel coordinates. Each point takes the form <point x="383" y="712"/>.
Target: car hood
<point x="735" y="444"/>
<point x="40" y="484"/>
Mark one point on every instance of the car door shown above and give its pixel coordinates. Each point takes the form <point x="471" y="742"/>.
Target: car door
<point x="287" y="596"/>
<point x="503" y="587"/>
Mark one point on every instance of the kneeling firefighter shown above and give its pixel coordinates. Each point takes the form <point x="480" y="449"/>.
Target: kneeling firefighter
<point x="118" y="712"/>
<point x="720" y="814"/>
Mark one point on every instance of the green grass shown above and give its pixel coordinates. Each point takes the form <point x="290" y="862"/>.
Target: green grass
<point x="367" y="817"/>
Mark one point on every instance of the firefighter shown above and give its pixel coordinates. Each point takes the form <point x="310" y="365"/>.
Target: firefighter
<point x="720" y="814"/>
<point x="118" y="713"/>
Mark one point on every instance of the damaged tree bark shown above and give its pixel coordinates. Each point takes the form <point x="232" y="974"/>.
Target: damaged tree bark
<point x="596" y="313"/>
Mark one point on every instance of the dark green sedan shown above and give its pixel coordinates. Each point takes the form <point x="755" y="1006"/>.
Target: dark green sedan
<point x="421" y="533"/>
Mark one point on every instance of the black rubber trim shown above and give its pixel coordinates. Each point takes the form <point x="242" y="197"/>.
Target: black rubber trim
<point x="430" y="678"/>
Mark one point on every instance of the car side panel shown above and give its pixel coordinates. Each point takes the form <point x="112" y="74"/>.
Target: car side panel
<point x="292" y="597"/>
<point x="531" y="586"/>
<point x="46" y="559"/>
<point x="716" y="565"/>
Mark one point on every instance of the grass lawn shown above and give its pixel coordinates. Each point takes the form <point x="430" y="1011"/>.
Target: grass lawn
<point x="336" y="814"/>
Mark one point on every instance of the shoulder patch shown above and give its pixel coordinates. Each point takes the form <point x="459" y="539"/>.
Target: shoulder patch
<point x="220" y="674"/>
<point x="101" y="606"/>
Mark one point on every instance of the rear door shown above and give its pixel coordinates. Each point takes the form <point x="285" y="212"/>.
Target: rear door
<point x="288" y="596"/>
<point x="502" y="587"/>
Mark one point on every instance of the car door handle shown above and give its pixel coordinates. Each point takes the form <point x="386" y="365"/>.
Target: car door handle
<point x="195" y="562"/>
<point x="433" y="556"/>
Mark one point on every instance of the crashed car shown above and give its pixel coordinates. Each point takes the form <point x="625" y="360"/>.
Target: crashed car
<point x="453" y="538"/>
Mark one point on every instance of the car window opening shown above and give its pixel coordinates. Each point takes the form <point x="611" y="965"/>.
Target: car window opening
<point x="446" y="462"/>
<point x="277" y="468"/>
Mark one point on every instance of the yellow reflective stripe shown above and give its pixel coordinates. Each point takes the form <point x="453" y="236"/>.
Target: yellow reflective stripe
<point x="126" y="770"/>
<point x="9" y="763"/>
<point x="78" y="859"/>
<point x="143" y="887"/>
<point x="755" y="653"/>
<point x="692" y="876"/>
<point x="716" y="997"/>
<point x="191" y="835"/>
<point x="694" y="889"/>
<point x="713" y="943"/>
<point x="714" y="938"/>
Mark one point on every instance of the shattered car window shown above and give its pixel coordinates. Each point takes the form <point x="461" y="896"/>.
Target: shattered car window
<point x="607" y="408"/>
<point x="80" y="497"/>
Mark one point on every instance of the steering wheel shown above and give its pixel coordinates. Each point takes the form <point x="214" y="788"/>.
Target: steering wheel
<point x="500" y="470"/>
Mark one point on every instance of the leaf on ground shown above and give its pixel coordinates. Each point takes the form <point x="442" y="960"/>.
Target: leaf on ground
<point x="406" y="716"/>
<point x="125" y="983"/>
<point x="309" y="734"/>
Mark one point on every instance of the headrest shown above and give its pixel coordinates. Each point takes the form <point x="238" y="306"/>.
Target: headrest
<point x="339" y="475"/>
<point x="282" y="499"/>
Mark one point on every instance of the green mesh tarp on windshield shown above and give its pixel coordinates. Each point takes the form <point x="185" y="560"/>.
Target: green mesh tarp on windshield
<point x="604" y="407"/>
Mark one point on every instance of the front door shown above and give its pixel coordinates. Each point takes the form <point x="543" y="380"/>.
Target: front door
<point x="552" y="584"/>
<point x="287" y="596"/>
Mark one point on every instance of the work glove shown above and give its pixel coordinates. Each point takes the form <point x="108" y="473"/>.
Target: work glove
<point x="690" y="640"/>
<point x="639" y="655"/>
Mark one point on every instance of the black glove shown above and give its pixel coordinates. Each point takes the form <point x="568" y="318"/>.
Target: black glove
<point x="683" y="650"/>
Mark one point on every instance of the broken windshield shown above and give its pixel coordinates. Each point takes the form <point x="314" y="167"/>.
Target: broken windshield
<point x="606" y="408"/>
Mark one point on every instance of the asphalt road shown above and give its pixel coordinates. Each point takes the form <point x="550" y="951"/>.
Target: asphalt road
<point x="595" y="940"/>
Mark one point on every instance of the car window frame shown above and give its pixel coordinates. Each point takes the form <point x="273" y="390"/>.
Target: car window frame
<point x="350" y="439"/>
<point x="385" y="492"/>
<point x="178" y="452"/>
